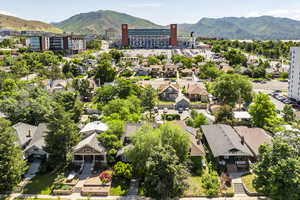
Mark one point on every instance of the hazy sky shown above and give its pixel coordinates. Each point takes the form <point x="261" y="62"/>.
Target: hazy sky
<point x="159" y="11"/>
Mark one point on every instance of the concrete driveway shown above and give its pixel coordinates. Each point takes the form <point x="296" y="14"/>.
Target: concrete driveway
<point x="33" y="169"/>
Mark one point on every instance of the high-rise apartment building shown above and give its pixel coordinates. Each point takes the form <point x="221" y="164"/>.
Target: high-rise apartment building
<point x="294" y="74"/>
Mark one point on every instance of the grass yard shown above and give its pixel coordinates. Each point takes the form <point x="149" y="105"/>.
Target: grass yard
<point x="195" y="188"/>
<point x="41" y="184"/>
<point x="248" y="182"/>
<point x="119" y="187"/>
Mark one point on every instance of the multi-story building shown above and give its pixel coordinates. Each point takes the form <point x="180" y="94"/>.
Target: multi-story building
<point x="39" y="43"/>
<point x="59" y="43"/>
<point x="149" y="38"/>
<point x="294" y="74"/>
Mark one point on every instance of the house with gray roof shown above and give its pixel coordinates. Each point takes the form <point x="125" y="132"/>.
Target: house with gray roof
<point x="31" y="139"/>
<point x="89" y="150"/>
<point x="227" y="147"/>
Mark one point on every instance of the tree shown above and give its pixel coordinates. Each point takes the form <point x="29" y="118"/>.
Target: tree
<point x="12" y="164"/>
<point x="225" y="115"/>
<point x="152" y="60"/>
<point x="263" y="111"/>
<point x="165" y="175"/>
<point x="278" y="170"/>
<point x="111" y="143"/>
<point x="116" y="55"/>
<point x="288" y="113"/>
<point x="232" y="89"/>
<point x="105" y="72"/>
<point x="149" y="99"/>
<point x="63" y="133"/>
<point x="83" y="87"/>
<point x="93" y="44"/>
<point x="197" y="119"/>
<point x="210" y="182"/>
<point x="147" y="138"/>
<point x="209" y="71"/>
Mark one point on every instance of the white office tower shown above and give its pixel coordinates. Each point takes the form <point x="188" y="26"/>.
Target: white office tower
<point x="294" y="74"/>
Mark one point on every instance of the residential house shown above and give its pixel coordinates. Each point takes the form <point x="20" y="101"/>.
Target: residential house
<point x="182" y="102"/>
<point x="156" y="70"/>
<point x="196" y="92"/>
<point x="186" y="72"/>
<point x="32" y="139"/>
<point x="170" y="71"/>
<point x="89" y="150"/>
<point x="254" y="138"/>
<point x="142" y="71"/>
<point x="227" y="147"/>
<point x="93" y="127"/>
<point x="56" y="85"/>
<point x="169" y="92"/>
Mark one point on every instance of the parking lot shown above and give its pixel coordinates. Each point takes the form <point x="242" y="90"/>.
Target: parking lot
<point x="271" y="85"/>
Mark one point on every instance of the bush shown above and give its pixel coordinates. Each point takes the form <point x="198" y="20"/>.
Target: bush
<point x="197" y="165"/>
<point x="123" y="170"/>
<point x="170" y="117"/>
<point x="105" y="177"/>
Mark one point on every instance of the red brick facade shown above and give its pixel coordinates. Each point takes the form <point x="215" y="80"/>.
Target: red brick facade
<point x="173" y="39"/>
<point x="125" y="39"/>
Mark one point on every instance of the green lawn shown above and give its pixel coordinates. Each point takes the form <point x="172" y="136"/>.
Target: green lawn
<point x="119" y="187"/>
<point x="248" y="182"/>
<point x="195" y="188"/>
<point x="41" y="184"/>
<point x="165" y="102"/>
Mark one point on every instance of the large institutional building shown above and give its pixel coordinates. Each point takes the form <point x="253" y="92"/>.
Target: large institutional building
<point x="70" y="44"/>
<point x="149" y="38"/>
<point x="294" y="74"/>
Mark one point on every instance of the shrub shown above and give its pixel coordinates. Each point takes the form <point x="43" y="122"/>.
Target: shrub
<point x="170" y="117"/>
<point x="105" y="177"/>
<point x="123" y="170"/>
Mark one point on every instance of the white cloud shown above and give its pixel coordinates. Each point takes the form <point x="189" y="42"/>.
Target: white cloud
<point x="145" y="5"/>
<point x="288" y="13"/>
<point x="3" y="12"/>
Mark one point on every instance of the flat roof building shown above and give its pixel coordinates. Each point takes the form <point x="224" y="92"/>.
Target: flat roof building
<point x="294" y="74"/>
<point x="149" y="38"/>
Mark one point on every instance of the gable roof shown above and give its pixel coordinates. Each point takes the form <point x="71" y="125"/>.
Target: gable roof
<point x="163" y="87"/>
<point x="254" y="137"/>
<point x="95" y="126"/>
<point x="224" y="141"/>
<point x="92" y="142"/>
<point x="38" y="139"/>
<point x="196" y="89"/>
<point x="25" y="132"/>
<point x="181" y="98"/>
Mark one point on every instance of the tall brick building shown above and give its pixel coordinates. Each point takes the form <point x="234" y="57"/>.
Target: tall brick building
<point x="149" y="38"/>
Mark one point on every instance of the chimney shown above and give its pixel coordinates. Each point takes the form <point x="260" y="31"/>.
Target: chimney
<point x="242" y="140"/>
<point x="29" y="134"/>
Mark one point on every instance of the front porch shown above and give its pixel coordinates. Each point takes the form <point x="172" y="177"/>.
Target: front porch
<point x="81" y="158"/>
<point x="234" y="163"/>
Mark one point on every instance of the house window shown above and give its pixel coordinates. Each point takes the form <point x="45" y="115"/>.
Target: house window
<point x="99" y="157"/>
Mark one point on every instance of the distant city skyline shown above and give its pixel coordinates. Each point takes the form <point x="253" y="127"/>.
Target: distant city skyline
<point x="158" y="11"/>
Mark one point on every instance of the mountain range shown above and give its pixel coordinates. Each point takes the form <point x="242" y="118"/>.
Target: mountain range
<point x="18" y="24"/>
<point x="260" y="28"/>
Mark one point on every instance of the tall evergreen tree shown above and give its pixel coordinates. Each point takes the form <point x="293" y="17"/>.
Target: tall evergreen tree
<point x="63" y="135"/>
<point x="12" y="165"/>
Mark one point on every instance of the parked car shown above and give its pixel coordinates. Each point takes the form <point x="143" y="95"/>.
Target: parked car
<point x="180" y="110"/>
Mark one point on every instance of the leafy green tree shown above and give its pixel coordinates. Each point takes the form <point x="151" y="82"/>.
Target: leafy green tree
<point x="277" y="170"/>
<point x="116" y="55"/>
<point x="288" y="113"/>
<point x="199" y="59"/>
<point x="83" y="87"/>
<point x="147" y="138"/>
<point x="165" y="176"/>
<point x="152" y="60"/>
<point x="105" y="72"/>
<point x="263" y="111"/>
<point x="149" y="99"/>
<point x="93" y="44"/>
<point x="232" y="89"/>
<point x="123" y="170"/>
<point x="63" y="133"/>
<point x="197" y="119"/>
<point x="12" y="164"/>
<point x="225" y="115"/>
<point x="209" y="71"/>
<point x="236" y="58"/>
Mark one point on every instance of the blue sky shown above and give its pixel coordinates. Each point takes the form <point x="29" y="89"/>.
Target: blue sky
<point x="159" y="11"/>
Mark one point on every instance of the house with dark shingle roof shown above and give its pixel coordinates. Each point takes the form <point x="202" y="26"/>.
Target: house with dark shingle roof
<point x="254" y="138"/>
<point x="227" y="147"/>
<point x="168" y="92"/>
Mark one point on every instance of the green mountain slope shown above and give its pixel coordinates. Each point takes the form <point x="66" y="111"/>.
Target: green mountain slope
<point x="265" y="27"/>
<point x="97" y="22"/>
<point x="14" y="23"/>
